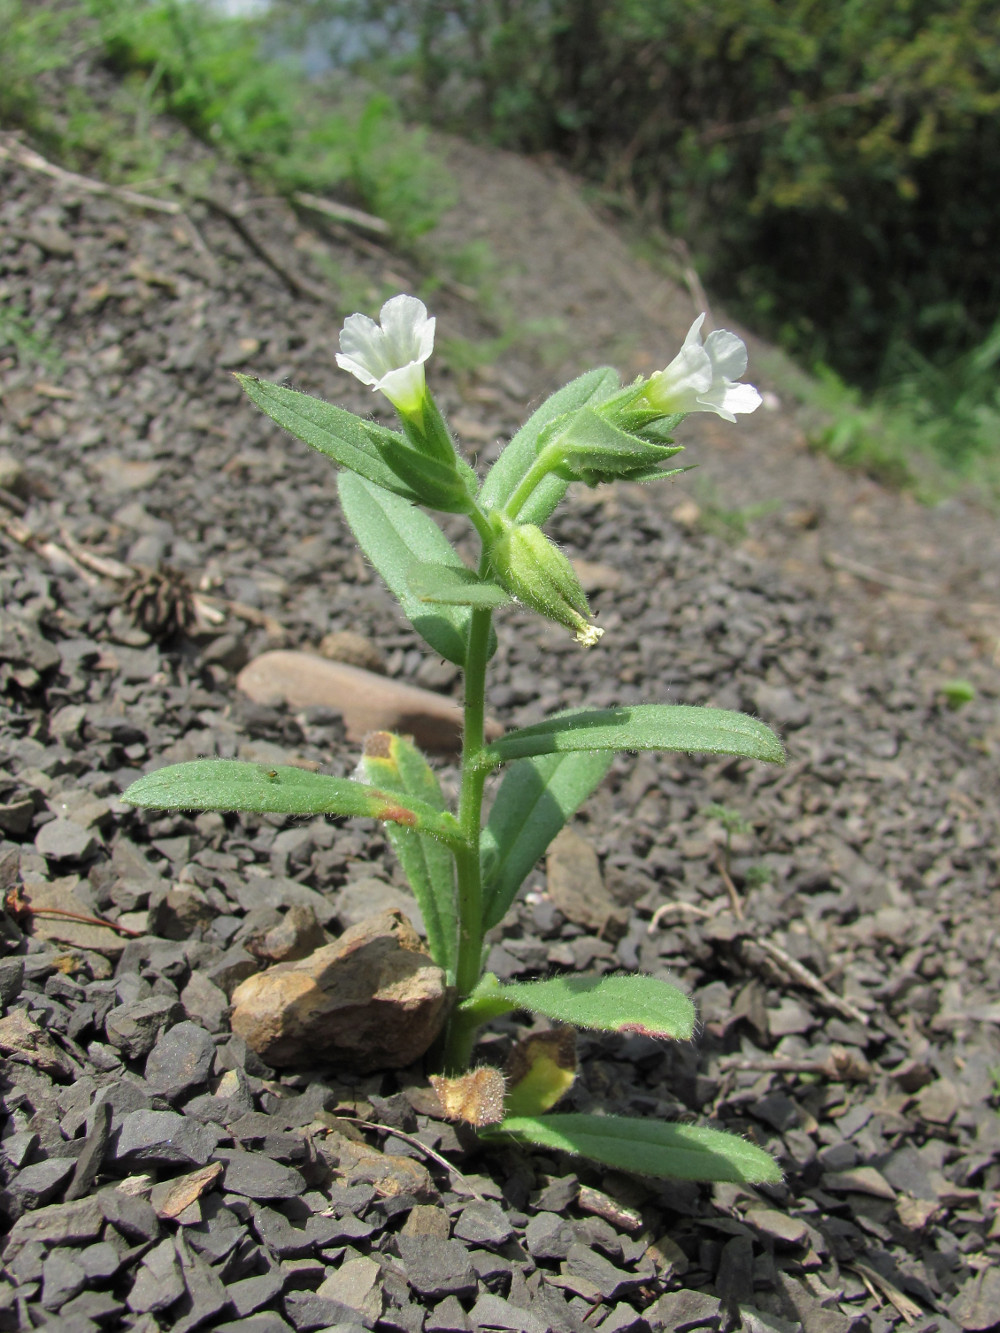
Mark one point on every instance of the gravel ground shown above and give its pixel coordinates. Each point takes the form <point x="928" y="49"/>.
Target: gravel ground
<point x="155" y="1173"/>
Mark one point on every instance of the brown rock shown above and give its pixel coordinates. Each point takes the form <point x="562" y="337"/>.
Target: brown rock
<point x="577" y="889"/>
<point x="367" y="702"/>
<point x="344" y="645"/>
<point x="373" y="1000"/>
<point x="425" y="1219"/>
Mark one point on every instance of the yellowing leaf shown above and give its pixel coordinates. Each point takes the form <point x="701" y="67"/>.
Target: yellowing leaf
<point x="540" y="1069"/>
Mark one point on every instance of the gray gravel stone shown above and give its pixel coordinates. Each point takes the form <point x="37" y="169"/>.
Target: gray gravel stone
<point x="58" y="1223"/>
<point x="62" y="1278"/>
<point x="181" y="1060"/>
<point x="611" y="1282"/>
<point x="251" y="1293"/>
<point x="64" y="840"/>
<point x="19" y="1147"/>
<point x="159" y="1281"/>
<point x="163" y="1138"/>
<point x="205" y="1295"/>
<point x="99" y="1306"/>
<point x="684" y="1311"/>
<point x="258" y="1177"/>
<point x="11" y="979"/>
<point x="99" y="1261"/>
<point x="130" y="1214"/>
<point x="548" y="1236"/>
<point x="436" y="1267"/>
<point x="88" y="1164"/>
<point x="268" y="1322"/>
<point x="133" y="1028"/>
<point x="494" y="1312"/>
<point x="483" y="1224"/>
<point x="307" y="1311"/>
<point x="40" y="1182"/>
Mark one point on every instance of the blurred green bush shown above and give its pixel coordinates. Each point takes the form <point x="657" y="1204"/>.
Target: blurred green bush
<point x="833" y="164"/>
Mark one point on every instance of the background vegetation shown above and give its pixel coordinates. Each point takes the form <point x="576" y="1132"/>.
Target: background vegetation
<point x="831" y="167"/>
<point x="211" y="73"/>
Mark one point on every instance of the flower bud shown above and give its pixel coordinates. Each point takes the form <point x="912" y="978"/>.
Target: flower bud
<point x="536" y="572"/>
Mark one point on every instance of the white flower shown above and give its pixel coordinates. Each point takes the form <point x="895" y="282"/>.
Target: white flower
<point x="703" y="377"/>
<point x="390" y="357"/>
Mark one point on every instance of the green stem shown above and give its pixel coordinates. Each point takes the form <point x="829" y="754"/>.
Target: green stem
<point x="549" y="458"/>
<point x="461" y="1031"/>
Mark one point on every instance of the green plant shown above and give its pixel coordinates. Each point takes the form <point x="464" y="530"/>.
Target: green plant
<point x="730" y="525"/>
<point x="19" y="336"/>
<point x="957" y="693"/>
<point x="211" y="72"/>
<point x="732" y="822"/>
<point x="465" y="875"/>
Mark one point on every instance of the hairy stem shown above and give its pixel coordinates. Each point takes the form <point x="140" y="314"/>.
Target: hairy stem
<point x="539" y="470"/>
<point x="459" y="1037"/>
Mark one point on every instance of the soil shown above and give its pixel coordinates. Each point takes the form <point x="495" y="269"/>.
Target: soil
<point x="846" y="979"/>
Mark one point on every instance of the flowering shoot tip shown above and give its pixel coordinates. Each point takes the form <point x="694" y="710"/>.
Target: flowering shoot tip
<point x="703" y="377"/>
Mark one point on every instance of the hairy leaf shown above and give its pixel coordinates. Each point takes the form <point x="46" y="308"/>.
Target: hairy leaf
<point x="230" y="784"/>
<point x="361" y="446"/>
<point x="394" y="764"/>
<point x="640" y="727"/>
<point x="533" y="802"/>
<point x="648" y="1148"/>
<point x="447" y="586"/>
<point x="396" y="538"/>
<point x="620" y="1003"/>
<point x="512" y="466"/>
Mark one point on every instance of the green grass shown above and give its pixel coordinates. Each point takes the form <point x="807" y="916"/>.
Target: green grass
<point x="177" y="57"/>
<point x="933" y="430"/>
<point x="18" y="336"/>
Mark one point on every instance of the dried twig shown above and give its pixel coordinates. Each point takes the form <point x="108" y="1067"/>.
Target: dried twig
<point x="13" y="150"/>
<point x="19" y="907"/>
<point x="878" y="1285"/>
<point x="342" y="213"/>
<point x="727" y="879"/>
<point x="842" y="1066"/>
<point x="85" y="563"/>
<point x="787" y="114"/>
<point x="420" y="1147"/>
<point x="800" y="973"/>
<point x="683" y="909"/>
<point x="236" y="216"/>
<point x="897" y="582"/>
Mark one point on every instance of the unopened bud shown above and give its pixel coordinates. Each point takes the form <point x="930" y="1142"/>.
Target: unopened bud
<point x="536" y="572"/>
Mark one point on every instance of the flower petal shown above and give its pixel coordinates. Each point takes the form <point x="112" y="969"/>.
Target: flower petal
<point x="728" y="354"/>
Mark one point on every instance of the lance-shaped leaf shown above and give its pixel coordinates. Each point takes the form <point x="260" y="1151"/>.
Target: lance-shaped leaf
<point x="640" y="727"/>
<point x="448" y="485"/>
<point x="512" y="466"/>
<point x="230" y="784"/>
<point x="622" y="1003"/>
<point x="646" y="1147"/>
<point x="394" y="764"/>
<point x="397" y="538"/>
<point x="361" y="446"/>
<point x="533" y="802"/>
<point x="594" y="447"/>
<point x="445" y="585"/>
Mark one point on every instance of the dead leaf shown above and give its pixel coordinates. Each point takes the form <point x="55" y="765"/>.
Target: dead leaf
<point x="475" y="1098"/>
